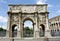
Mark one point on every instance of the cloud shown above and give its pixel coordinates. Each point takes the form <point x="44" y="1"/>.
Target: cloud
<point x="49" y="5"/>
<point x="3" y="22"/>
<point x="3" y="1"/>
<point x="4" y="27"/>
<point x="41" y="1"/>
<point x="3" y="19"/>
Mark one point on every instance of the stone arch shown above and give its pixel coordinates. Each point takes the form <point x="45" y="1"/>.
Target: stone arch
<point x="52" y="32"/>
<point x="43" y="30"/>
<point x="57" y="24"/>
<point x="31" y="20"/>
<point x="23" y="14"/>
<point x="28" y="19"/>
<point x="14" y="30"/>
<point x="54" y="24"/>
<point x="57" y="29"/>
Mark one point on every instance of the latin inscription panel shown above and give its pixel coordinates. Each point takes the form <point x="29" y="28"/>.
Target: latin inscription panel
<point x="28" y="9"/>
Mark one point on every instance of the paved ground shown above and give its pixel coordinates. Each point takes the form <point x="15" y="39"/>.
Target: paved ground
<point x="3" y="38"/>
<point x="28" y="39"/>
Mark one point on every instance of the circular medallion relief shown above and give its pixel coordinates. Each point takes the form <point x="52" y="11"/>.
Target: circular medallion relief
<point x="15" y="18"/>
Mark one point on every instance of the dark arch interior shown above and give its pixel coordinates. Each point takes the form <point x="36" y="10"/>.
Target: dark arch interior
<point x="13" y="27"/>
<point x="14" y="31"/>
<point x="42" y="32"/>
<point x="43" y="27"/>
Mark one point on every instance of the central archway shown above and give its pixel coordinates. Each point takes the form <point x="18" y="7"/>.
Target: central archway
<point x="28" y="28"/>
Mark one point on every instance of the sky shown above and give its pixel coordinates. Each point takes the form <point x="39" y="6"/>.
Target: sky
<point x="53" y="8"/>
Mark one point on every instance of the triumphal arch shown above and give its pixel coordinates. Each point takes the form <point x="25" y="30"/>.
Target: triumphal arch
<point x="18" y="14"/>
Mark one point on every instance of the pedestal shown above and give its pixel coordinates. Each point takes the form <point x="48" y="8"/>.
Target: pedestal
<point x="19" y="34"/>
<point x="47" y="34"/>
<point x="7" y="33"/>
<point x="36" y="34"/>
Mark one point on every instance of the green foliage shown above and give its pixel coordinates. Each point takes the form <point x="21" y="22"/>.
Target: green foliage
<point x="1" y="29"/>
<point x="27" y="29"/>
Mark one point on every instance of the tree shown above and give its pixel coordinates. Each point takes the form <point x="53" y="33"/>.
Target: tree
<point x="27" y="28"/>
<point x="28" y="32"/>
<point x="1" y="29"/>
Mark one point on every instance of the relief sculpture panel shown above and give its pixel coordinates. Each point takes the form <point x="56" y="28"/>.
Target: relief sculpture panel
<point x="15" y="18"/>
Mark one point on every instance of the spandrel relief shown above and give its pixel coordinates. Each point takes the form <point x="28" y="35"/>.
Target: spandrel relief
<point x="15" y="18"/>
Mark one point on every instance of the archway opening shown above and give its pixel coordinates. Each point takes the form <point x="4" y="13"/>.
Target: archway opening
<point x="14" y="30"/>
<point x="28" y="29"/>
<point x="42" y="30"/>
<point x="55" y="32"/>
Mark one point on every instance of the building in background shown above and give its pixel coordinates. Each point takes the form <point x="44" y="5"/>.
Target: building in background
<point x="54" y="25"/>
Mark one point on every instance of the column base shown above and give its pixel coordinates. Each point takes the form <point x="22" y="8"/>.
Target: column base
<point x="19" y="34"/>
<point x="7" y="33"/>
<point x="47" y="34"/>
<point x="36" y="34"/>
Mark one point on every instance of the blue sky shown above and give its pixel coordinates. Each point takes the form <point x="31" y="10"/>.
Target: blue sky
<point x="53" y="8"/>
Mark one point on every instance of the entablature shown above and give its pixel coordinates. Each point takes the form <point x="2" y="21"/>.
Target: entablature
<point x="27" y="8"/>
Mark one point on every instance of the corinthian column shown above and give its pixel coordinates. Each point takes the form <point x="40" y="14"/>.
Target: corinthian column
<point x="36" y="31"/>
<point x="19" y="29"/>
<point x="47" y="30"/>
<point x="8" y="26"/>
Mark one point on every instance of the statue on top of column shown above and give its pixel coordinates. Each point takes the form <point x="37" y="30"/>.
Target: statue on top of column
<point x="41" y="1"/>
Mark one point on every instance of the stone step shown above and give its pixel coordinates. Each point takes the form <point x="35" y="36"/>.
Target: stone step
<point x="28" y="39"/>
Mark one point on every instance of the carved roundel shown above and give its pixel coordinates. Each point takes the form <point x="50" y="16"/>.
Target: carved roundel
<point x="15" y="18"/>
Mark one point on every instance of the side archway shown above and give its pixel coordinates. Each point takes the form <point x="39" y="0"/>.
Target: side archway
<point x="14" y="30"/>
<point x="42" y="30"/>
